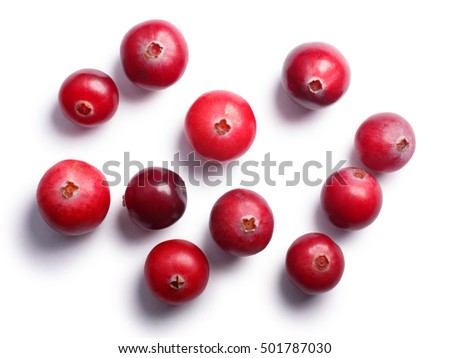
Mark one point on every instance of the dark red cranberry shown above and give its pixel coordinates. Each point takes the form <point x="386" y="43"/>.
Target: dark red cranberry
<point x="241" y="222"/>
<point x="154" y="54"/>
<point x="351" y="198"/>
<point x="315" y="263"/>
<point x="220" y="125"/>
<point x="88" y="97"/>
<point x="155" y="198"/>
<point x="385" y="142"/>
<point x="73" y="197"/>
<point x="315" y="75"/>
<point x="176" y="271"/>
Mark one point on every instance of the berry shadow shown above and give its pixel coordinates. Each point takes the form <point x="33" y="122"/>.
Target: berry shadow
<point x="65" y="126"/>
<point x="355" y="161"/>
<point x="218" y="258"/>
<point x="43" y="240"/>
<point x="128" y="90"/>
<point x="199" y="170"/>
<point x="290" y="111"/>
<point x="325" y="226"/>
<point x="152" y="307"/>
<point x="292" y="295"/>
<point x="184" y="147"/>
<point x="129" y="231"/>
<point x="193" y="170"/>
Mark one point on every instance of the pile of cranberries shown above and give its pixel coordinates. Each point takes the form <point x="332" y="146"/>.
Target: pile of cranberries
<point x="73" y="197"/>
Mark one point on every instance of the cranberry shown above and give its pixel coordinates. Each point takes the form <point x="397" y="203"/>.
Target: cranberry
<point x="220" y="125"/>
<point x="385" y="142"/>
<point x="315" y="75"/>
<point x="73" y="197"/>
<point x="154" y="54"/>
<point x="155" y="198"/>
<point x="352" y="198"/>
<point x="88" y="97"/>
<point x="315" y="263"/>
<point x="241" y="222"/>
<point x="176" y="271"/>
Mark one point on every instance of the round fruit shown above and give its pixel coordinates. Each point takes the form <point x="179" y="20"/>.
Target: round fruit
<point x="315" y="75"/>
<point x="154" y="54"/>
<point x="241" y="222"/>
<point x="220" y="125"/>
<point x="176" y="271"/>
<point x="385" y="142"/>
<point x="351" y="198"/>
<point x="73" y="197"/>
<point x="315" y="263"/>
<point x="88" y="97"/>
<point x="155" y="198"/>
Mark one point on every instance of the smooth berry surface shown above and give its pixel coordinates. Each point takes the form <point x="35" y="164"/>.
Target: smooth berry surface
<point x="88" y="97"/>
<point x="220" y="125"/>
<point x="385" y="142"/>
<point x="315" y="263"/>
<point x="155" y="198"/>
<point x="154" y="54"/>
<point x="176" y="271"/>
<point x="351" y="198"/>
<point x="241" y="222"/>
<point x="315" y="75"/>
<point x="73" y="197"/>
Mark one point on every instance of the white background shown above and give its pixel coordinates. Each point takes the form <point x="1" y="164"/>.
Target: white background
<point x="64" y="297"/>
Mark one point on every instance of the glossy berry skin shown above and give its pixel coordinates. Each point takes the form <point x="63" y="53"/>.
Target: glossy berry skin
<point x="241" y="222"/>
<point x="315" y="75"/>
<point x="351" y="198"/>
<point x="314" y="263"/>
<point x="176" y="271"/>
<point x="88" y="97"/>
<point x="155" y="198"/>
<point x="385" y="142"/>
<point x="73" y="197"/>
<point x="220" y="125"/>
<point x="154" y="54"/>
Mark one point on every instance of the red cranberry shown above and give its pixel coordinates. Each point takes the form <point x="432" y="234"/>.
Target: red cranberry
<point x="385" y="142"/>
<point x="220" y="125"/>
<point x="88" y="97"/>
<point x="155" y="198"/>
<point x="315" y="263"/>
<point x="73" y="197"/>
<point x="241" y="222"/>
<point x="352" y="198"/>
<point x="315" y="75"/>
<point x="154" y="54"/>
<point x="176" y="271"/>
